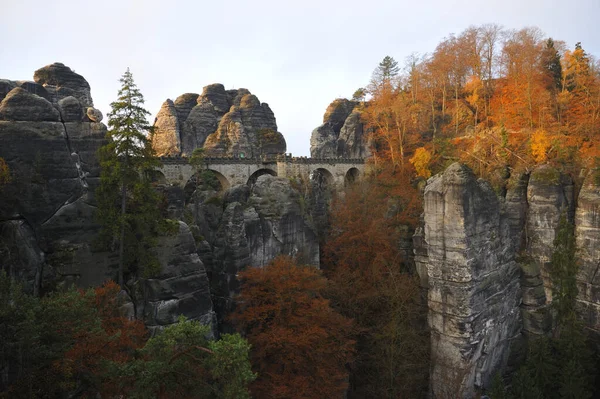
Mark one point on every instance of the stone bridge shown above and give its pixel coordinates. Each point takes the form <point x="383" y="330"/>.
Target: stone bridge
<point x="233" y="171"/>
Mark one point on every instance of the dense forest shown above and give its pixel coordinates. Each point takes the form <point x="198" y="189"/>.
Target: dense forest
<point x="499" y="101"/>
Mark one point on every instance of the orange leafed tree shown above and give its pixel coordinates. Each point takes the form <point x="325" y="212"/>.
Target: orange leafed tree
<point x="301" y="347"/>
<point x="371" y="282"/>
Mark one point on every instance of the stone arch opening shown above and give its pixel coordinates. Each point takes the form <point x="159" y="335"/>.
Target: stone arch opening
<point x="157" y="178"/>
<point x="351" y="177"/>
<point x="254" y="176"/>
<point x="206" y="179"/>
<point x="322" y="176"/>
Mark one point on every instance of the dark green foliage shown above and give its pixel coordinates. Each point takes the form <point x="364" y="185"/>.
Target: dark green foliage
<point x="128" y="207"/>
<point x="498" y="391"/>
<point x="76" y="344"/>
<point x="563" y="271"/>
<point x="384" y="74"/>
<point x="551" y="62"/>
<point x="359" y="94"/>
<point x="559" y="366"/>
<point x="197" y="159"/>
<point x="181" y="362"/>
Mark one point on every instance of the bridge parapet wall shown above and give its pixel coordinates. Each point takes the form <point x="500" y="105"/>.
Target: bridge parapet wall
<point x="236" y="170"/>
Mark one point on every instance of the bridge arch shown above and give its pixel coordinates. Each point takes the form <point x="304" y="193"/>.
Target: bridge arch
<point x="351" y="176"/>
<point x="322" y="175"/>
<point x="209" y="179"/>
<point x="157" y="177"/>
<point x="263" y="171"/>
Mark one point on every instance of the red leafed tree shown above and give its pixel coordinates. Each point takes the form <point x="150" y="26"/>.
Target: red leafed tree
<point x="301" y="347"/>
<point x="109" y="336"/>
<point x="371" y="283"/>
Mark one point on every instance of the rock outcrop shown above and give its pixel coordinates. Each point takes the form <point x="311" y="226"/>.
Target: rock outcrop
<point x="250" y="226"/>
<point x="549" y="195"/>
<point x="474" y="292"/>
<point x="60" y="82"/>
<point x="182" y="286"/>
<point x="587" y="234"/>
<point x="342" y="134"/>
<point x="50" y="135"/>
<point x="224" y="122"/>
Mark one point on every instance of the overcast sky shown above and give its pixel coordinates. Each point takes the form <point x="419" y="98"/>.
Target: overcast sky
<point x="297" y="56"/>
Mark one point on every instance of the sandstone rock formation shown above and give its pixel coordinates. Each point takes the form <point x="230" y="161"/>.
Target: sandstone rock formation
<point x="60" y="82"/>
<point x="587" y="233"/>
<point x="47" y="223"/>
<point x="549" y="195"/>
<point x="342" y="134"/>
<point x="474" y="291"/>
<point x="182" y="287"/>
<point x="224" y="122"/>
<point x="250" y="226"/>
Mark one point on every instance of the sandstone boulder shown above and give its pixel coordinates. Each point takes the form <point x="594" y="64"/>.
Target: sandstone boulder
<point x="215" y="95"/>
<point x="60" y="81"/>
<point x="5" y="87"/>
<point x="94" y="114"/>
<point x="70" y="109"/>
<point x="34" y="88"/>
<point x="20" y="105"/>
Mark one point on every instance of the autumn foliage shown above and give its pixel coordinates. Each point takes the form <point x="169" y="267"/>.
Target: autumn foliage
<point x="491" y="98"/>
<point x="372" y="282"/>
<point x="301" y="347"/>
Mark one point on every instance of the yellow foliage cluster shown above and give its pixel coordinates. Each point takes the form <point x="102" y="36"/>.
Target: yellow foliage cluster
<point x="421" y="161"/>
<point x="539" y="143"/>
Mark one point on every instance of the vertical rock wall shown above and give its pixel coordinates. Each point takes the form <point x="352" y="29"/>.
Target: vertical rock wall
<point x="549" y="195"/>
<point x="49" y="136"/>
<point x="587" y="233"/>
<point x="474" y="291"/>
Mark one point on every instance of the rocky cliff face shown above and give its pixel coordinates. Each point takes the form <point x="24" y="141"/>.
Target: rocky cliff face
<point x="50" y="146"/>
<point x="342" y="134"/>
<point x="50" y="134"/>
<point x="224" y="122"/>
<point x="587" y="233"/>
<point x="248" y="227"/>
<point x="465" y="256"/>
<point x="474" y="292"/>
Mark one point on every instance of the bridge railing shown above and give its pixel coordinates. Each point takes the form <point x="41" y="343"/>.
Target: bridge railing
<point x="270" y="158"/>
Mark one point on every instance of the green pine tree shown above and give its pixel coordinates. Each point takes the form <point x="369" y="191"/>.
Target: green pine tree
<point x="384" y="74"/>
<point x="551" y="62"/>
<point x="128" y="207"/>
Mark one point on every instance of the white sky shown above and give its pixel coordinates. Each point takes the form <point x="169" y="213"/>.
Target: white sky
<point x="296" y="56"/>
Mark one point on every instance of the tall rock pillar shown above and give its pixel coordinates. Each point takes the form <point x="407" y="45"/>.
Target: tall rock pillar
<point x="587" y="233"/>
<point x="474" y="292"/>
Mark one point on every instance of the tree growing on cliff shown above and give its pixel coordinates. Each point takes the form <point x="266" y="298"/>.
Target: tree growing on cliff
<point x="128" y="209"/>
<point x="384" y="75"/>
<point x="300" y="345"/>
<point x="181" y="362"/>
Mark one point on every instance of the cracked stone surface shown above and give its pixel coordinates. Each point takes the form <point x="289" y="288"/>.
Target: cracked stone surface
<point x="473" y="282"/>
